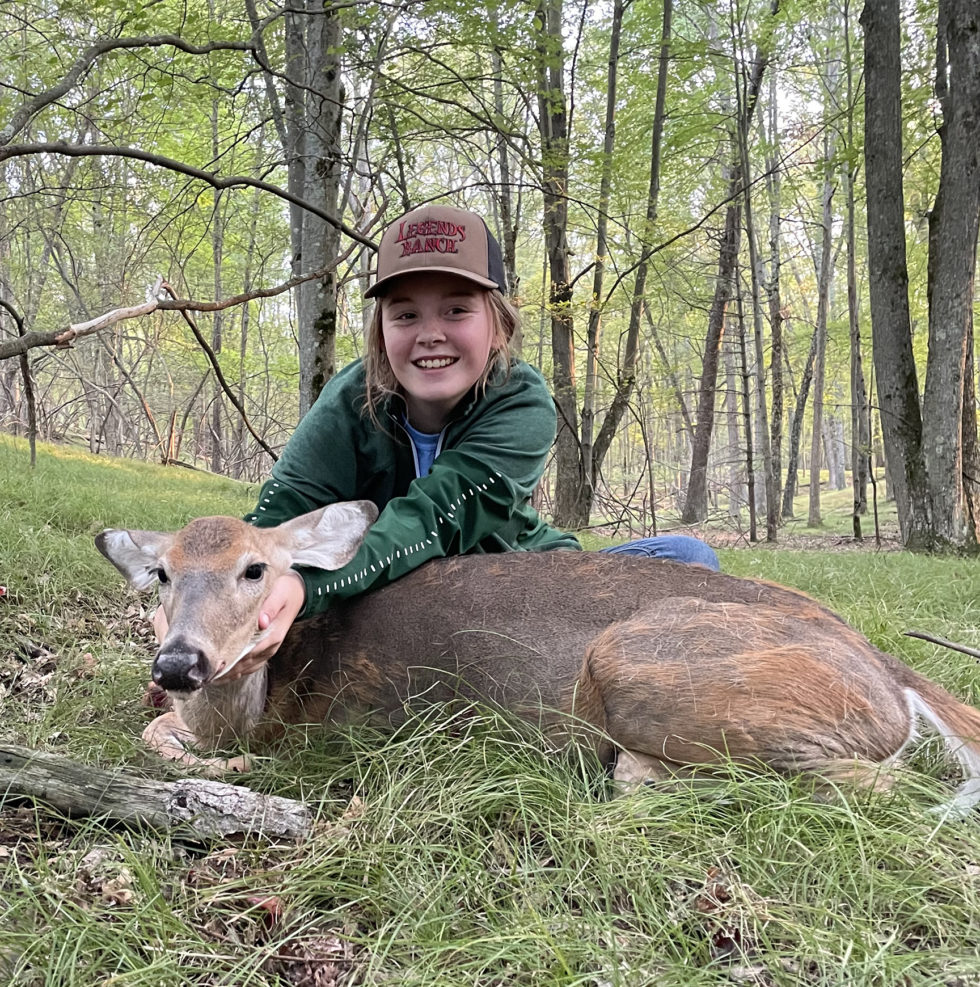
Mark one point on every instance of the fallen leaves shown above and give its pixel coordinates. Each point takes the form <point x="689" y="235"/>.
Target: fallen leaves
<point x="302" y="951"/>
<point x="102" y="874"/>
<point x="314" y="961"/>
<point x="731" y="914"/>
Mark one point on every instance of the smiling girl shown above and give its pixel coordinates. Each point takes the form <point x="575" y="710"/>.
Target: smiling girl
<point x="438" y="425"/>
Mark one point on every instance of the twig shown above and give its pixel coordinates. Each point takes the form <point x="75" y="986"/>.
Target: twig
<point x="932" y="639"/>
<point x="222" y="383"/>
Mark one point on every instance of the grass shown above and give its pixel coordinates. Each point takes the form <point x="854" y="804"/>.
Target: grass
<point x="453" y="852"/>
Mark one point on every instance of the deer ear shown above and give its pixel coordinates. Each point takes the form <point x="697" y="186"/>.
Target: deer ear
<point x="329" y="538"/>
<point x="136" y="554"/>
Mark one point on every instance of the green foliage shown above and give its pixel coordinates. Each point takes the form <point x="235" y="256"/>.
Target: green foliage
<point x="434" y="94"/>
<point x="457" y="850"/>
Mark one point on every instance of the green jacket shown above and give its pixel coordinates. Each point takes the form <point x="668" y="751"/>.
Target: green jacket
<point x="476" y="497"/>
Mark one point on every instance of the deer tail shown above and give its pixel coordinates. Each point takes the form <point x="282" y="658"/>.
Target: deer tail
<point x="959" y="726"/>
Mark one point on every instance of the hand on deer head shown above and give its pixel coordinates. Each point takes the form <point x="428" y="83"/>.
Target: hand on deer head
<point x="226" y="590"/>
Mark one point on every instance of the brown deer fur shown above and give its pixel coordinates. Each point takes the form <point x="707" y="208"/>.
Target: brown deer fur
<point x="672" y="666"/>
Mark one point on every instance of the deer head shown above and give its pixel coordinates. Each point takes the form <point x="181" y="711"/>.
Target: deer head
<point x="214" y="575"/>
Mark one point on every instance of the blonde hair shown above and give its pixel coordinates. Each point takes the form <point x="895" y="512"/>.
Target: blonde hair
<point x="380" y="379"/>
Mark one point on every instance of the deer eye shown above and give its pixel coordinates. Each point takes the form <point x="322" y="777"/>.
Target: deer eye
<point x="162" y="576"/>
<point x="255" y="571"/>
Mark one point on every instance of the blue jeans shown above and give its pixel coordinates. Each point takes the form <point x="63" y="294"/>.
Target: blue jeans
<point x="679" y="548"/>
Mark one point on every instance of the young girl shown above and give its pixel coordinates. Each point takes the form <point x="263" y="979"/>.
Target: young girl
<point x="436" y="425"/>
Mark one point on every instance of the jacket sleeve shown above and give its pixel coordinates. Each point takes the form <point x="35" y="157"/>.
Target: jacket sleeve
<point x="304" y="479"/>
<point x="475" y="488"/>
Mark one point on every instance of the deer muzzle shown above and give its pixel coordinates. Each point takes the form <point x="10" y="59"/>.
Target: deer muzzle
<point x="180" y="666"/>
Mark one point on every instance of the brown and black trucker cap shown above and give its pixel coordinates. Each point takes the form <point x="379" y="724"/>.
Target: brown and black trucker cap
<point x="440" y="239"/>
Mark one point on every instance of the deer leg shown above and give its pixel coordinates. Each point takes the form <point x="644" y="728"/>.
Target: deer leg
<point x="170" y="737"/>
<point x="854" y="772"/>
<point x="633" y="770"/>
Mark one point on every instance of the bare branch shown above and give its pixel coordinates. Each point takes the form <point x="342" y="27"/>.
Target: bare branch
<point x="25" y="373"/>
<point x="171" y="164"/>
<point x="952" y="645"/>
<point x="202" y="808"/>
<point x="62" y="337"/>
<point x="189" y="305"/>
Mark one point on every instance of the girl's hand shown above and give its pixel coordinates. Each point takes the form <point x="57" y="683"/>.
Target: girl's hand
<point x="278" y="613"/>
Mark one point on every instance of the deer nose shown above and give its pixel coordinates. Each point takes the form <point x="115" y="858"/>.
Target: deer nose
<point x="180" y="667"/>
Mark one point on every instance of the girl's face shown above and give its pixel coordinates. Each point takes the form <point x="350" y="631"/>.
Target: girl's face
<point x="437" y="332"/>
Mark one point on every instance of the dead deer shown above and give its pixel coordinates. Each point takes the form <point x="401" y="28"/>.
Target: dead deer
<point x="671" y="667"/>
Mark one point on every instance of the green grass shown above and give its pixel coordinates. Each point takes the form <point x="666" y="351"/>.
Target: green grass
<point x="454" y="851"/>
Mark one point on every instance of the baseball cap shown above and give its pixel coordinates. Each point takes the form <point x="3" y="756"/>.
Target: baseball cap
<point x="442" y="239"/>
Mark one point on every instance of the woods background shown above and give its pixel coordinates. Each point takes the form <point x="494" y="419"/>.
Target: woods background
<point x="742" y="235"/>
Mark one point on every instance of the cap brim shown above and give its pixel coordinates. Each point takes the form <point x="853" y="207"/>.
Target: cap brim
<point x="379" y="287"/>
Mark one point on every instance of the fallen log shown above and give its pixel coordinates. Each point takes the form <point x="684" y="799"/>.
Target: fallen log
<point x="193" y="806"/>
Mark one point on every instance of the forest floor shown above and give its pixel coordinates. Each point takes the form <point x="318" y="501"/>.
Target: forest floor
<point x="835" y="532"/>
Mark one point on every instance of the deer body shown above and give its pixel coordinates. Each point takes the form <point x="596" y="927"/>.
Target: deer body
<point x="673" y="665"/>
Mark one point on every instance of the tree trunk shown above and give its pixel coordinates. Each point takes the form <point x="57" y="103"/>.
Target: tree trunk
<point x="696" y="504"/>
<point x="217" y="318"/>
<point x="773" y="168"/>
<point x="572" y="490"/>
<point x="508" y="214"/>
<point x="669" y="369"/>
<point x="796" y="430"/>
<point x="737" y="493"/>
<point x="627" y="371"/>
<point x="860" y="411"/>
<point x="601" y="252"/>
<point x="971" y="446"/>
<point x="825" y="274"/>
<point x="747" y="418"/>
<point x="834" y="452"/>
<point x="897" y="381"/>
<point x="317" y="316"/>
<point x="953" y="227"/>
<point x="755" y="280"/>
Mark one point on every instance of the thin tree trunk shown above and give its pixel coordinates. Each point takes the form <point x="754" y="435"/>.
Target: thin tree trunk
<point x="217" y="318"/>
<point x="824" y="280"/>
<point x="670" y="371"/>
<point x="508" y="212"/>
<point x="321" y="240"/>
<point x="796" y="430"/>
<point x="860" y="411"/>
<point x="696" y="503"/>
<point x="572" y="490"/>
<point x="745" y="374"/>
<point x="773" y="188"/>
<point x="971" y="445"/>
<point x="755" y="277"/>
<point x="601" y="252"/>
<point x="627" y="372"/>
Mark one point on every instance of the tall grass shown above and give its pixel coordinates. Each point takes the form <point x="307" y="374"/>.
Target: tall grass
<point x="456" y="850"/>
